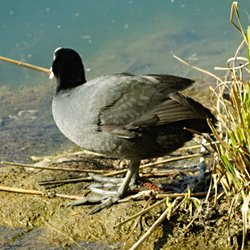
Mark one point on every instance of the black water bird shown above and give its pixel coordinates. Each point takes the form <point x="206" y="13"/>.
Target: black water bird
<point x="123" y="115"/>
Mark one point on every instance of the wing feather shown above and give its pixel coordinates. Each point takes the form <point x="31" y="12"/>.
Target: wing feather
<point x="147" y="101"/>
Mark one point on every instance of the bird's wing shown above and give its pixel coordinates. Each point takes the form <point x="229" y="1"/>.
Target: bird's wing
<point x="176" y="108"/>
<point x="144" y="101"/>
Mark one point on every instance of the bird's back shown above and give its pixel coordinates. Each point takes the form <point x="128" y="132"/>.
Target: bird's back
<point x="129" y="116"/>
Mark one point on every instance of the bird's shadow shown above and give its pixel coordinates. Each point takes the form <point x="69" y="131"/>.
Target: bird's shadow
<point x="167" y="229"/>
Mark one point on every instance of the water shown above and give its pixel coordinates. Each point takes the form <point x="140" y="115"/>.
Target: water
<point x="112" y="36"/>
<point x="116" y="35"/>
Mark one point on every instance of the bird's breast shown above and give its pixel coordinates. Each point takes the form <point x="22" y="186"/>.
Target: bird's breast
<point x="79" y="123"/>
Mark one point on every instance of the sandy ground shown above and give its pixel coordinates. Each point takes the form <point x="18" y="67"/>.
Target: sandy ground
<point x="46" y="220"/>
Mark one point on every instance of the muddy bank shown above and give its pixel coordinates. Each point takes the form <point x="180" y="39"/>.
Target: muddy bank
<point x="59" y="226"/>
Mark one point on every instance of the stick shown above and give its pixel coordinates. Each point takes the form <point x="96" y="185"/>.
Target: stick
<point x="198" y="69"/>
<point x="104" y="172"/>
<point x="141" y="212"/>
<point x="199" y="145"/>
<point x="178" y="158"/>
<point x="23" y="165"/>
<point x="66" y="181"/>
<point x="123" y="171"/>
<point x="175" y="205"/>
<point x="36" y="192"/>
<point x="158" y="173"/>
<point x="175" y="195"/>
<point x="77" y="153"/>
<point x="26" y="65"/>
<point x="21" y="190"/>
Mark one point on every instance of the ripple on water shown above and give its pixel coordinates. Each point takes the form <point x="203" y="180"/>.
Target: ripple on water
<point x="26" y="123"/>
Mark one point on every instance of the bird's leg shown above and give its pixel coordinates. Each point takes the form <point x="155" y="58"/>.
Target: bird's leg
<point x="109" y="198"/>
<point x="202" y="166"/>
<point x="130" y="176"/>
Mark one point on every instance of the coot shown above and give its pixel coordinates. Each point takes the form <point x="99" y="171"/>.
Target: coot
<point x="123" y="115"/>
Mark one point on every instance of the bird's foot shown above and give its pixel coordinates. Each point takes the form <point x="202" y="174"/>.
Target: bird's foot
<point x="108" y="198"/>
<point x="195" y="181"/>
<point x="100" y="181"/>
<point x="105" y="198"/>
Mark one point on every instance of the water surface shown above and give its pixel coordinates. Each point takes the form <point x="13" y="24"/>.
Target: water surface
<point x="112" y="36"/>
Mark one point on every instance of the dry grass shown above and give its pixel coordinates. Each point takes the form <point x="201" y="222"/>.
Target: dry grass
<point x="232" y="155"/>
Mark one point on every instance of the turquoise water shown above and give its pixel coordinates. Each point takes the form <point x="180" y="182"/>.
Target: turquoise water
<point x="116" y="35"/>
<point x="136" y="36"/>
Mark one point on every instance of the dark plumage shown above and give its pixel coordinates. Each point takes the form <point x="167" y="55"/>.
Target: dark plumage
<point x="124" y="115"/>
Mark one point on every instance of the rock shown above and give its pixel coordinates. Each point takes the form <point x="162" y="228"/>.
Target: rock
<point x="28" y="114"/>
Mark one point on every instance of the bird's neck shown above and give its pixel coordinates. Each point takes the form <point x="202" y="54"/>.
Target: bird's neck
<point x="65" y="83"/>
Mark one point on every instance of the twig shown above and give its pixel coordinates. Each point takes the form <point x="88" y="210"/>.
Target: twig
<point x="141" y="213"/>
<point x="137" y="221"/>
<point x="67" y="154"/>
<point x="37" y="192"/>
<point x="157" y="172"/>
<point x="26" y="65"/>
<point x="65" y="181"/>
<point x="198" y="69"/>
<point x="163" y="198"/>
<point x="177" y="204"/>
<point x="174" y="195"/>
<point x="112" y="173"/>
<point x="123" y="171"/>
<point x="142" y="195"/>
<point x="199" y="145"/>
<point x="178" y="158"/>
<point x="153" y="173"/>
<point x="21" y="190"/>
<point x="53" y="168"/>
